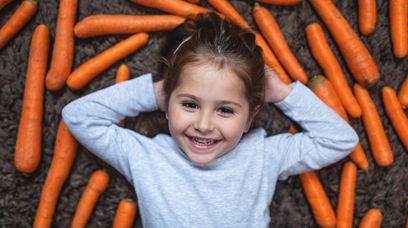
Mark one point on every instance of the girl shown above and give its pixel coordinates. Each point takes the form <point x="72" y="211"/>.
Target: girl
<point x="212" y="171"/>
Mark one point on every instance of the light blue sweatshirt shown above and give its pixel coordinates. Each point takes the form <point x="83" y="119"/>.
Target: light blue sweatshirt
<point x="236" y="189"/>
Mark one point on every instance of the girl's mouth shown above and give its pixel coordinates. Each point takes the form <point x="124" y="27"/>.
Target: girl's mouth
<point x="202" y="144"/>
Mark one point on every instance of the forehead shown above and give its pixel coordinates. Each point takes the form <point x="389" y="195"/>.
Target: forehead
<point x="206" y="79"/>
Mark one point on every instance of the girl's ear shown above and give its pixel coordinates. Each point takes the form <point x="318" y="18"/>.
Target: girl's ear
<point x="251" y="118"/>
<point x="167" y="116"/>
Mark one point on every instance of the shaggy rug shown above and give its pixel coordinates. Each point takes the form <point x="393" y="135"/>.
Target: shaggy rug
<point x="383" y="188"/>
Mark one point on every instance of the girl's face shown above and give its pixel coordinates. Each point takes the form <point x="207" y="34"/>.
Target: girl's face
<point x="208" y="112"/>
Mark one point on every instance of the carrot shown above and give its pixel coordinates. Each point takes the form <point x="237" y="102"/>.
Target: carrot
<point x="91" y="68"/>
<point x="380" y="147"/>
<point x="28" y="146"/>
<point x="4" y="3"/>
<point x="359" y="158"/>
<point x="193" y="1"/>
<point x="97" y="184"/>
<point x="123" y="74"/>
<point x="399" y="27"/>
<point x="104" y="24"/>
<point x="270" y="58"/>
<point x="356" y="55"/>
<point x="63" y="52"/>
<point x="367" y="16"/>
<point x="225" y="8"/>
<point x="292" y="129"/>
<point x="396" y="114"/>
<point x="176" y="7"/>
<point x="272" y="33"/>
<point x="318" y="200"/>
<point x="325" y="91"/>
<point x="372" y="219"/>
<point x="64" y="155"/>
<point x="403" y="93"/>
<point x="345" y="203"/>
<point x="125" y="214"/>
<point x="23" y="14"/>
<point x="281" y="2"/>
<point x="321" y="51"/>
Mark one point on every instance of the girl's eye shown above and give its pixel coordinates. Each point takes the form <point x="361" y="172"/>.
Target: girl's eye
<point x="226" y="111"/>
<point x="190" y="105"/>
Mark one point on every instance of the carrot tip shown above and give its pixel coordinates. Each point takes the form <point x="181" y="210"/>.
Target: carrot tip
<point x="33" y="2"/>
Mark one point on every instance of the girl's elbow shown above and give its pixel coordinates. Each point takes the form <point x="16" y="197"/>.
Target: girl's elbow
<point x="352" y="138"/>
<point x="69" y="114"/>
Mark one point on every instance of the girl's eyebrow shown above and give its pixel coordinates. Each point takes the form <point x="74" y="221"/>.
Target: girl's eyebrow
<point x="220" y="101"/>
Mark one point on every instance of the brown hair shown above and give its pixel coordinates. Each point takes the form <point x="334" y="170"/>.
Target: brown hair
<point x="208" y="38"/>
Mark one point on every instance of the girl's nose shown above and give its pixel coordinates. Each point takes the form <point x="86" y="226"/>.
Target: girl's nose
<point x="204" y="123"/>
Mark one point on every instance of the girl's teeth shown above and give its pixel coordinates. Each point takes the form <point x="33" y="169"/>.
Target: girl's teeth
<point x="203" y="141"/>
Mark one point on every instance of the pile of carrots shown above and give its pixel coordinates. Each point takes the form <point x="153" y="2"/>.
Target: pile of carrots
<point x="332" y="88"/>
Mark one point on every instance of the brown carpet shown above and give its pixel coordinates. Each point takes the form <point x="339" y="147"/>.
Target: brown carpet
<point x="384" y="188"/>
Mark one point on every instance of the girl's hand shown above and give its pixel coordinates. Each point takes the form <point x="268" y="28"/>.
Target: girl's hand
<point x="160" y="97"/>
<point x="275" y="89"/>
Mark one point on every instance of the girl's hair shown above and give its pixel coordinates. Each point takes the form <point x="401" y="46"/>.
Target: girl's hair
<point x="208" y="38"/>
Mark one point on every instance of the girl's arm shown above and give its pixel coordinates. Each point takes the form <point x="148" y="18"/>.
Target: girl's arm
<point x="325" y="137"/>
<point x="93" y="120"/>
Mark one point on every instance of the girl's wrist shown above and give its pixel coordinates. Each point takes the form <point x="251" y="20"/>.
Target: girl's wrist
<point x="160" y="97"/>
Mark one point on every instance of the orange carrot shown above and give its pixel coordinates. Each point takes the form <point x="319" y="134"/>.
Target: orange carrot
<point x="4" y="3"/>
<point x="123" y="74"/>
<point x="28" y="146"/>
<point x="281" y="2"/>
<point x="97" y="184"/>
<point x="396" y="114"/>
<point x="225" y="8"/>
<point x="270" y="58"/>
<point x="372" y="219"/>
<point x="23" y="14"/>
<point x="380" y="147"/>
<point x="318" y="200"/>
<point x="345" y="203"/>
<point x="399" y="27"/>
<point x="91" y="68"/>
<point x="63" y="52"/>
<point x="292" y="129"/>
<point x="367" y="16"/>
<point x="176" y="7"/>
<point x="104" y="24"/>
<point x="359" y="158"/>
<point x="321" y="51"/>
<point x="270" y="29"/>
<point x="403" y="93"/>
<point x="193" y="1"/>
<point x="64" y="155"/>
<point x="125" y="214"/>
<point x="356" y="55"/>
<point x="325" y="91"/>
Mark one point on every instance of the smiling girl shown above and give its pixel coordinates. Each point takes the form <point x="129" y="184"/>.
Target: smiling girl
<point x="211" y="171"/>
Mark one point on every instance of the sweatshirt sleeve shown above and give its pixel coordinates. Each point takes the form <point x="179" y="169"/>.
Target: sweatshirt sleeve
<point x="93" y="120"/>
<point x="326" y="138"/>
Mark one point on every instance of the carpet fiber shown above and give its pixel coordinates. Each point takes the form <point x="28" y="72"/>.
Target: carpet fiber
<point x="384" y="188"/>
